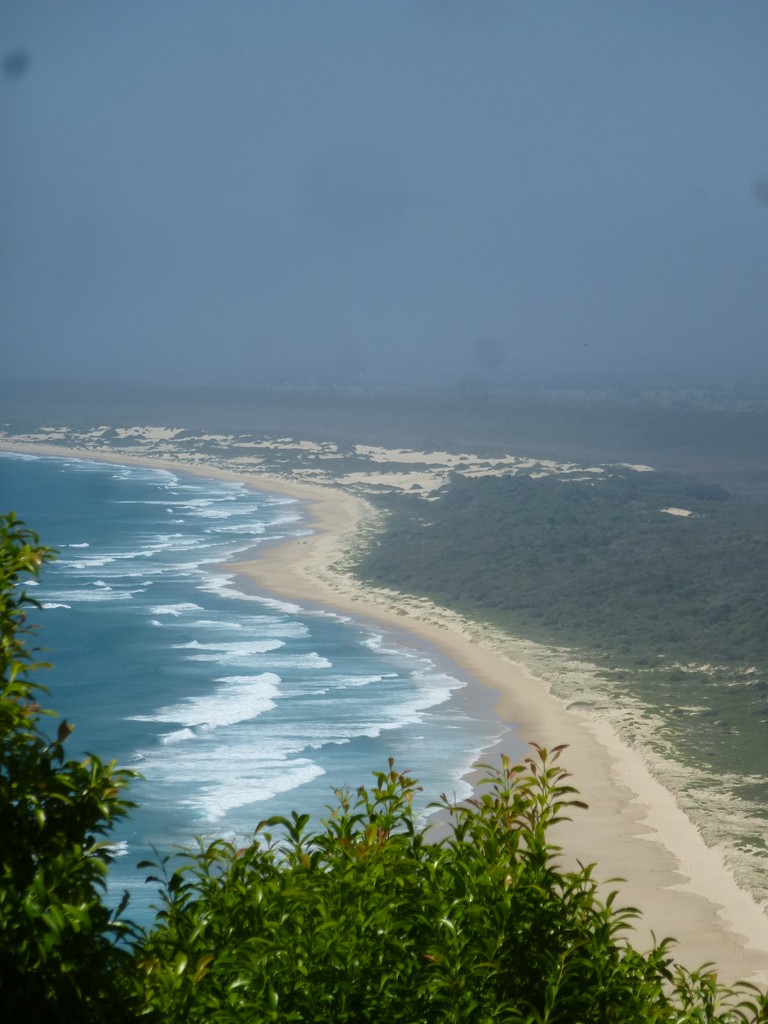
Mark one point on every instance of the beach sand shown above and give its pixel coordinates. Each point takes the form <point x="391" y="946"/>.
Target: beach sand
<point x="633" y="828"/>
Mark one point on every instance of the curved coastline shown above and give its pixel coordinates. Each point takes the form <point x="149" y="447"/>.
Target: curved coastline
<point x="633" y="829"/>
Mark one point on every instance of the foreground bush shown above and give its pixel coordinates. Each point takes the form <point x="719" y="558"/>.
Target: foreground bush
<point x="364" y="920"/>
<point x="361" y="919"/>
<point x="59" y="959"/>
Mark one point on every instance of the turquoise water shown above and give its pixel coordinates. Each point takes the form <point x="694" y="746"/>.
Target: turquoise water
<point x="233" y="706"/>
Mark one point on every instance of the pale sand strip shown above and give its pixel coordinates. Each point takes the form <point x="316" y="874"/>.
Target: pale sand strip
<point x="633" y="828"/>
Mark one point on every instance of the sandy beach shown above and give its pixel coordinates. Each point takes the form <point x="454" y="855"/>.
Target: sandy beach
<point x="633" y="828"/>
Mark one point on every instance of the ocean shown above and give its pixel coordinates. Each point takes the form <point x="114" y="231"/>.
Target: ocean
<point x="232" y="705"/>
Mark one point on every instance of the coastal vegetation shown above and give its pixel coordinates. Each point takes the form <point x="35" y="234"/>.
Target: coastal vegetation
<point x="60" y="957"/>
<point x="362" y="918"/>
<point x="636" y="565"/>
<point x="657" y="580"/>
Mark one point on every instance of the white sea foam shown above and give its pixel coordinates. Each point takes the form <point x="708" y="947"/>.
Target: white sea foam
<point x="55" y="604"/>
<point x="279" y="499"/>
<point x="173" y="542"/>
<point x="82" y="465"/>
<point x="431" y="676"/>
<point x="143" y="474"/>
<point x="326" y="613"/>
<point x="212" y="510"/>
<point x="196" y="503"/>
<point x="175" y="609"/>
<point x="216" y="583"/>
<point x="354" y="682"/>
<point x="229" y="652"/>
<point x="304" y="661"/>
<point x="96" y="562"/>
<point x="126" y="574"/>
<point x="256" y="625"/>
<point x="142" y="501"/>
<point x="239" y="789"/>
<point x="238" y="699"/>
<point x="19" y="456"/>
<point x="226" y="627"/>
<point x="267" y="602"/>
<point x="279" y="606"/>
<point x="238" y="646"/>
<point x="178" y="737"/>
<point x="189" y="568"/>
<point x="220" y="777"/>
<point x="102" y="594"/>
<point x="222" y="585"/>
<point x="373" y="642"/>
<point x="286" y="520"/>
<point x="158" y="545"/>
<point x="255" y="528"/>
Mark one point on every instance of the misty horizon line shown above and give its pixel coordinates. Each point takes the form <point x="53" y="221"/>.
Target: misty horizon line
<point x="503" y="382"/>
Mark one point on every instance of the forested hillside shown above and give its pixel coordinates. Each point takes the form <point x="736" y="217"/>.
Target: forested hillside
<point x="672" y="609"/>
<point x="594" y="562"/>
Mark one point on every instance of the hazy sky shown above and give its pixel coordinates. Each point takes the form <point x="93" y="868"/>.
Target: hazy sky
<point x="228" y="189"/>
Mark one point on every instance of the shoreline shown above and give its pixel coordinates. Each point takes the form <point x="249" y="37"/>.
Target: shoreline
<point x="633" y="828"/>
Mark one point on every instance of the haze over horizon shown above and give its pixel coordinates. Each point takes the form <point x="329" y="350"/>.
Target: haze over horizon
<point x="443" y="190"/>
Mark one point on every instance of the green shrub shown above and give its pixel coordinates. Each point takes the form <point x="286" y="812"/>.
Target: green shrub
<point x="366" y="920"/>
<point x="58" y="955"/>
